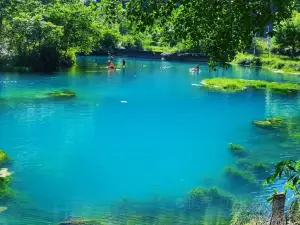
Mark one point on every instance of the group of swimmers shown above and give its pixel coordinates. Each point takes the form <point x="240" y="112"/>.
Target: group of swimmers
<point x="111" y="66"/>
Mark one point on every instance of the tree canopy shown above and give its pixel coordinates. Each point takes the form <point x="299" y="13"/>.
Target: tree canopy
<point x="288" y="34"/>
<point x="220" y="28"/>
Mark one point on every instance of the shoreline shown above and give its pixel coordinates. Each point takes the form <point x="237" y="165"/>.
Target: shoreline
<point x="192" y="57"/>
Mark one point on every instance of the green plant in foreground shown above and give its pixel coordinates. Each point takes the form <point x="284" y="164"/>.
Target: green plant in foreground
<point x="290" y="171"/>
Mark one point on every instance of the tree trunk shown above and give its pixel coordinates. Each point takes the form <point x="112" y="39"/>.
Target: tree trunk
<point x="278" y="217"/>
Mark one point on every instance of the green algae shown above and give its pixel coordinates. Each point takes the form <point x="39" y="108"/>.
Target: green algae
<point x="260" y="166"/>
<point x="237" y="150"/>
<point x="244" y="163"/>
<point x="240" y="176"/>
<point x="269" y="123"/>
<point x="213" y="196"/>
<point x="5" y="189"/>
<point x="3" y="157"/>
<point x="62" y="94"/>
<point x="233" y="85"/>
<point x="82" y="222"/>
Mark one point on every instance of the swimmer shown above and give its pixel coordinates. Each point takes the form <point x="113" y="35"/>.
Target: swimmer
<point x="111" y="66"/>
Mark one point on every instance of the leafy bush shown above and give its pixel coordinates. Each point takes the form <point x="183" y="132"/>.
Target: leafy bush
<point x="110" y="39"/>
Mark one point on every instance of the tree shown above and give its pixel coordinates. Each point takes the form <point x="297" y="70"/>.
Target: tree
<point x="81" y="27"/>
<point x="289" y="171"/>
<point x="288" y="34"/>
<point x="46" y="35"/>
<point x="39" y="41"/>
<point x="112" y="12"/>
<point x="219" y="27"/>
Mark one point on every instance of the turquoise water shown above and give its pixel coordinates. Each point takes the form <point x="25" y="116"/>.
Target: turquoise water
<point x="141" y="133"/>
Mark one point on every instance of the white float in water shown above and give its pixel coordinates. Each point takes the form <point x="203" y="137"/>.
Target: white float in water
<point x="196" y="84"/>
<point x="124" y="102"/>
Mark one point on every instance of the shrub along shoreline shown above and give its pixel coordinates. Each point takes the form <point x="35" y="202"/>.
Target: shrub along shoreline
<point x="278" y="64"/>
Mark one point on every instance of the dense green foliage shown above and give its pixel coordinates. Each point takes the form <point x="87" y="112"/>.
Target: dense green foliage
<point x="218" y="28"/>
<point x="288" y="35"/>
<point x="46" y="36"/>
<point x="290" y="171"/>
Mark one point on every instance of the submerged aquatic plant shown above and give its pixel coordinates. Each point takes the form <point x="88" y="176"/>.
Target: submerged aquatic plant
<point x="3" y="157"/>
<point x="237" y="149"/>
<point x="269" y="123"/>
<point x="62" y="94"/>
<point x="202" y="197"/>
<point x="5" y="189"/>
<point x="233" y="85"/>
<point x="81" y="222"/>
<point x="241" y="176"/>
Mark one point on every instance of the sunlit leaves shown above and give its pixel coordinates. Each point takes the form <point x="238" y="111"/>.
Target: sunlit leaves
<point x="219" y="27"/>
<point x="290" y="171"/>
<point x="288" y="34"/>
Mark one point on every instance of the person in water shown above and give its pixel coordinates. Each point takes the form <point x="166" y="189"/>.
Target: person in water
<point x="197" y="67"/>
<point x="111" y="66"/>
<point x="108" y="63"/>
<point x="124" y="63"/>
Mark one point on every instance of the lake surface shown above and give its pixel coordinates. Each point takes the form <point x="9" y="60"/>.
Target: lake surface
<point x="144" y="135"/>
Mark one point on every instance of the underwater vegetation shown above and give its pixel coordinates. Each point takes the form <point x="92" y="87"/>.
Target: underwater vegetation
<point x="82" y="222"/>
<point x="233" y="85"/>
<point x="269" y="123"/>
<point x="5" y="178"/>
<point x="62" y="94"/>
<point x="241" y="176"/>
<point x="3" y="157"/>
<point x="204" y="197"/>
<point x="237" y="150"/>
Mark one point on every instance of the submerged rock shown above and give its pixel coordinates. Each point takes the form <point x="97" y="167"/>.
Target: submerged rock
<point x="62" y="94"/>
<point x="268" y="123"/>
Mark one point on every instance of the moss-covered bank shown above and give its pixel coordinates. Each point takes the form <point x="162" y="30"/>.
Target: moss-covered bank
<point x="233" y="85"/>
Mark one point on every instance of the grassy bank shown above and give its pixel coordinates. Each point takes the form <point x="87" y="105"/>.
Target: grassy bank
<point x="232" y="85"/>
<point x="274" y="62"/>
